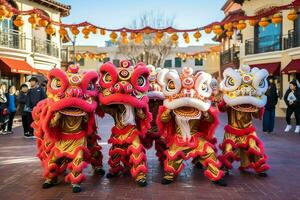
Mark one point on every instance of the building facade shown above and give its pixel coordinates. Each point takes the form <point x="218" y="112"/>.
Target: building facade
<point x="178" y="58"/>
<point x="26" y="50"/>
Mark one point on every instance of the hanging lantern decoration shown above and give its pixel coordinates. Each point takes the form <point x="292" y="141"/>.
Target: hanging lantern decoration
<point x="228" y="26"/>
<point x="264" y="22"/>
<point x="102" y="31"/>
<point x="252" y="22"/>
<point x="174" y="38"/>
<point x="229" y="33"/>
<point x="159" y="35"/>
<point x="50" y="30"/>
<point x="62" y="32"/>
<point x="9" y="15"/>
<point x="3" y="12"/>
<point x="132" y="35"/>
<point x="124" y="38"/>
<point x="93" y="29"/>
<point x="33" y="20"/>
<point x="217" y="29"/>
<point x="74" y="30"/>
<point x="241" y="25"/>
<point x="207" y="30"/>
<point x="113" y="36"/>
<point x="197" y="35"/>
<point x="43" y="22"/>
<point x="292" y="15"/>
<point x="77" y="56"/>
<point x="18" y="22"/>
<point x="186" y="37"/>
<point x="139" y="38"/>
<point x="91" y="55"/>
<point x="276" y="19"/>
<point x="86" y="32"/>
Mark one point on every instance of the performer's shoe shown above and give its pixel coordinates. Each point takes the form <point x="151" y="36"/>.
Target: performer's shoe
<point x="166" y="181"/>
<point x="142" y="182"/>
<point x="198" y="165"/>
<point x="220" y="182"/>
<point x="49" y="183"/>
<point x="76" y="188"/>
<point x="110" y="175"/>
<point x="262" y="174"/>
<point x="99" y="171"/>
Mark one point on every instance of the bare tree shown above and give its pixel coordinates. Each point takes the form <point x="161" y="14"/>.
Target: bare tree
<point x="149" y="51"/>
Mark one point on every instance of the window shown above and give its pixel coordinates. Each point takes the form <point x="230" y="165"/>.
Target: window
<point x="81" y="62"/>
<point x="198" y="62"/>
<point x="267" y="39"/>
<point x="177" y="62"/>
<point x="105" y="60"/>
<point x="168" y="63"/>
<point x="297" y="30"/>
<point x="116" y="62"/>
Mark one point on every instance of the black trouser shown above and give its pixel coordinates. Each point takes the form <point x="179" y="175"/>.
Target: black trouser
<point x="11" y="117"/>
<point x="25" y="122"/>
<point x="289" y="112"/>
<point x="29" y="121"/>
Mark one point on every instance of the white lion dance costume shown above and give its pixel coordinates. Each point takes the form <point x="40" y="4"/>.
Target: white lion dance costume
<point x="156" y="98"/>
<point x="65" y="127"/>
<point x="243" y="98"/>
<point x="124" y="97"/>
<point x="187" y="122"/>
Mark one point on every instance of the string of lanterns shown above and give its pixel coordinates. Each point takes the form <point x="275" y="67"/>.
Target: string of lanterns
<point x="197" y="56"/>
<point x="125" y="34"/>
<point x="90" y="55"/>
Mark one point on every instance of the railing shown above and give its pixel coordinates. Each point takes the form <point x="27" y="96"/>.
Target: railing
<point x="16" y="40"/>
<point x="65" y="55"/>
<point x="12" y="39"/>
<point x="263" y="44"/>
<point x="291" y="40"/>
<point x="229" y="55"/>
<point x="45" y="47"/>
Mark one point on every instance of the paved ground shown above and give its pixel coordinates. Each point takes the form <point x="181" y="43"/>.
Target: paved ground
<point x="20" y="174"/>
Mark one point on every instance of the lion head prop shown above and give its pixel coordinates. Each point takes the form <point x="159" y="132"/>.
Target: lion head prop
<point x="244" y="89"/>
<point x="156" y="80"/>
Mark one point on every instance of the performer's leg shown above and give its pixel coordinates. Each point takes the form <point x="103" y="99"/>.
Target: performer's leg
<point x="172" y="168"/>
<point x="160" y="147"/>
<point x="228" y="151"/>
<point x="52" y="169"/>
<point x="137" y="159"/>
<point x="96" y="154"/>
<point x="114" y="161"/>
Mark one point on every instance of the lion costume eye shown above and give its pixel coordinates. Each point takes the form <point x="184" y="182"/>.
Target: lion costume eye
<point x="141" y="81"/>
<point x="202" y="84"/>
<point x="55" y="84"/>
<point x="172" y="83"/>
<point x="262" y="83"/>
<point x="229" y="81"/>
<point x="107" y="78"/>
<point x="205" y="87"/>
<point x="232" y="80"/>
<point x="170" y="86"/>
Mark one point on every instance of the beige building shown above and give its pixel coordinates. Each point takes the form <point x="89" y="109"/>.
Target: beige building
<point x="209" y="62"/>
<point x="276" y="48"/>
<point x="25" y="50"/>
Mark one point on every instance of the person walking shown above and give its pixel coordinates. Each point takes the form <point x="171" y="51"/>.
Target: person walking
<point x="270" y="107"/>
<point x="292" y="100"/>
<point x="3" y="111"/>
<point x="35" y="94"/>
<point x="11" y="97"/>
<point x="21" y="105"/>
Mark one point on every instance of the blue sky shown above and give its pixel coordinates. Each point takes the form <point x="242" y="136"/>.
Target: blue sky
<point x="121" y="13"/>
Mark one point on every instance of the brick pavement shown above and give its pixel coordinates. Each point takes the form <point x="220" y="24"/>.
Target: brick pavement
<point x="21" y="178"/>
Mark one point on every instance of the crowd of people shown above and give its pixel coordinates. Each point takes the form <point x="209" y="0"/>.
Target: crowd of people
<point x="22" y="102"/>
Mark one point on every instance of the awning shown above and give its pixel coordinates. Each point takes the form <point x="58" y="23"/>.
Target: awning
<point x="272" y="68"/>
<point x="292" y="67"/>
<point x="43" y="71"/>
<point x="16" y="66"/>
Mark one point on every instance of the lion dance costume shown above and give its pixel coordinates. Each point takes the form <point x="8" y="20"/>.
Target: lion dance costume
<point x="65" y="127"/>
<point x="156" y="98"/>
<point x="243" y="98"/>
<point x="124" y="97"/>
<point x="187" y="122"/>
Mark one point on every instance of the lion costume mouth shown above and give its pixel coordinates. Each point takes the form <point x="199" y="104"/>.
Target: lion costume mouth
<point x="245" y="108"/>
<point x="73" y="111"/>
<point x="187" y="112"/>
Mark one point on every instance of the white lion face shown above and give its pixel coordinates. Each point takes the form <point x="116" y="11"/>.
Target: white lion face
<point x="244" y="89"/>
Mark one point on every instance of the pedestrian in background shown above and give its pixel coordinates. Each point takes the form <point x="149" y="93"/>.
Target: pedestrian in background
<point x="3" y="111"/>
<point x="11" y="97"/>
<point x="292" y="100"/>
<point x="21" y="106"/>
<point x="270" y="107"/>
<point x="35" y="94"/>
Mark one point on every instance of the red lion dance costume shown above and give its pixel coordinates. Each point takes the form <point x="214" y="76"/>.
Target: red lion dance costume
<point x="124" y="97"/>
<point x="65" y="127"/>
<point x="243" y="98"/>
<point x="187" y="122"/>
<point x="156" y="98"/>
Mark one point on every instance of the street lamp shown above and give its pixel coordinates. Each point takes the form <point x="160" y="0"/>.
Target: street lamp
<point x="73" y="44"/>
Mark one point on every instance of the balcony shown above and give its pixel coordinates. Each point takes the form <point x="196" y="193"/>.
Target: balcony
<point x="264" y="44"/>
<point x="16" y="40"/>
<point x="291" y="40"/>
<point x="229" y="56"/>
